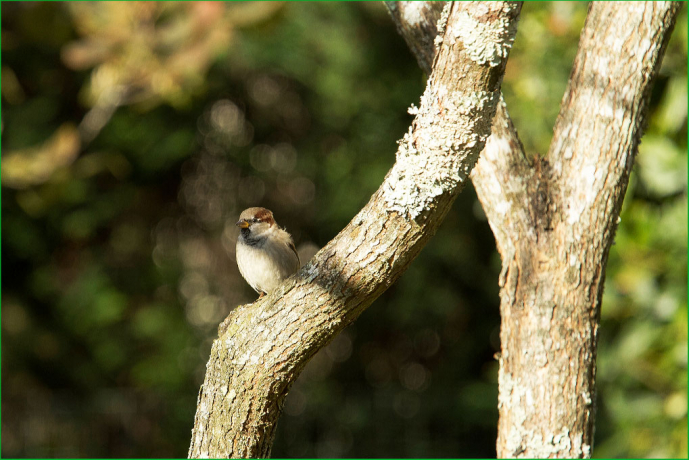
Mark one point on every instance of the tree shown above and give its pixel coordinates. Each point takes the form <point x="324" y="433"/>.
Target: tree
<point x="554" y="220"/>
<point x="263" y="346"/>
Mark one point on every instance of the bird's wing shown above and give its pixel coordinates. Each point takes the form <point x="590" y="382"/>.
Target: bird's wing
<point x="291" y="245"/>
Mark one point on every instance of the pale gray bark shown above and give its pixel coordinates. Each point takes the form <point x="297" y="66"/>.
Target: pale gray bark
<point x="264" y="346"/>
<point x="554" y="220"/>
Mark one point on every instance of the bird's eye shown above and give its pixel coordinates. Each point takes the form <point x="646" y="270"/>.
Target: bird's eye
<point x="254" y="220"/>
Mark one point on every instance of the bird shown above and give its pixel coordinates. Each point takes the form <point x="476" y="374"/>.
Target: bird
<point x="265" y="252"/>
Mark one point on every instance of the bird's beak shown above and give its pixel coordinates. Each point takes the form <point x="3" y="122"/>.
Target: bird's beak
<point x="242" y="224"/>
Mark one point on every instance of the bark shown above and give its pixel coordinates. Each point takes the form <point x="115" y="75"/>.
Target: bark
<point x="417" y="23"/>
<point x="554" y="219"/>
<point x="263" y="346"/>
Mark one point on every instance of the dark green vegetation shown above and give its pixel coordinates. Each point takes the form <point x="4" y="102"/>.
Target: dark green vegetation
<point x="117" y="243"/>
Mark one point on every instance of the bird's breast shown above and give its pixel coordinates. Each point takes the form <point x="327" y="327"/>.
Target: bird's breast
<point x="265" y="265"/>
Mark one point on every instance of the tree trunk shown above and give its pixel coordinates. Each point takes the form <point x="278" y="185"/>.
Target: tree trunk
<point x="263" y="346"/>
<point x="554" y="220"/>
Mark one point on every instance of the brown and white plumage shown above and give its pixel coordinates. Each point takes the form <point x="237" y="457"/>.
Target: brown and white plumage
<point x="265" y="253"/>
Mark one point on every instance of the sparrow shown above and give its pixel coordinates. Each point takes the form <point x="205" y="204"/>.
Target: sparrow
<point x="265" y="253"/>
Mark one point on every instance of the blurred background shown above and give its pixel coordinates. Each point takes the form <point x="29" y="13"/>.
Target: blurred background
<point x="133" y="135"/>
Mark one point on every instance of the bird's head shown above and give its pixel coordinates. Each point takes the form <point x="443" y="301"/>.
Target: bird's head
<point x="255" y="223"/>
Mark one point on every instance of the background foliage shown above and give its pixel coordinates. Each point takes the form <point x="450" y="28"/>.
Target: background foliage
<point x="133" y="134"/>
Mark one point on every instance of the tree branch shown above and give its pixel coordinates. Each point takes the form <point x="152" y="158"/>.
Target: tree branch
<point x="266" y="344"/>
<point x="502" y="168"/>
